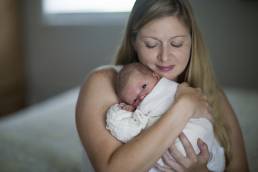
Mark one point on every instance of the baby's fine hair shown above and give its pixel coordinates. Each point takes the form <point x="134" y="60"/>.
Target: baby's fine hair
<point x="126" y="72"/>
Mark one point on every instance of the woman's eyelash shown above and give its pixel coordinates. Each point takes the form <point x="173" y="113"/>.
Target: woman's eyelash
<point x="176" y="44"/>
<point x="173" y="44"/>
<point x="150" y="46"/>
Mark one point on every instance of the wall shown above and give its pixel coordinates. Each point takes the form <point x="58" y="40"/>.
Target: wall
<point x="230" y="30"/>
<point x="11" y="60"/>
<point x="59" y="57"/>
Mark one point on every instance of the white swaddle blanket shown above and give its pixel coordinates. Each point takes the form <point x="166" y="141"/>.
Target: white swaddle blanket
<point x="125" y="125"/>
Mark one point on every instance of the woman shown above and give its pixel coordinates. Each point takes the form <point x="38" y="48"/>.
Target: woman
<point x="163" y="35"/>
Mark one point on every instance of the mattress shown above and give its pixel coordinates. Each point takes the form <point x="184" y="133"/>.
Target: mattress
<point x="43" y="137"/>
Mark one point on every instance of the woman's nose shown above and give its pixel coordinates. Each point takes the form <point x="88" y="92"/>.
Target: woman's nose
<point x="163" y="54"/>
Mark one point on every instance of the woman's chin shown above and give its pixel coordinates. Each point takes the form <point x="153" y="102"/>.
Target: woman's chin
<point x="168" y="76"/>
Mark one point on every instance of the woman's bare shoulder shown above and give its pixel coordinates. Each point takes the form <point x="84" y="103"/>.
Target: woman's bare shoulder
<point x="98" y="88"/>
<point x="97" y="94"/>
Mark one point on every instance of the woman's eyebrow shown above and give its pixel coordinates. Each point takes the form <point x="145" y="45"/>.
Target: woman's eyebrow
<point x="180" y="36"/>
<point x="173" y="37"/>
<point x="150" y="37"/>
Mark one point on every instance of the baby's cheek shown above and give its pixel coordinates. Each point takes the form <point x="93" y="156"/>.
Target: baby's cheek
<point x="151" y="87"/>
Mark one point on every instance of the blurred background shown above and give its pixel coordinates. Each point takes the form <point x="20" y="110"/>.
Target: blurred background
<point x="43" y="53"/>
<point x="48" y="47"/>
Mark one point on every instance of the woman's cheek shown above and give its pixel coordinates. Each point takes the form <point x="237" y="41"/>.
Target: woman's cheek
<point x="183" y="58"/>
<point x="148" y="56"/>
<point x="144" y="57"/>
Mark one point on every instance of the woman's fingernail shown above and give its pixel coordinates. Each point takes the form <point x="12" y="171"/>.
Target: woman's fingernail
<point x="201" y="142"/>
<point x="203" y="145"/>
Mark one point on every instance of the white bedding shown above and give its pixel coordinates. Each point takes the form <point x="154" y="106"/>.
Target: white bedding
<point x="43" y="137"/>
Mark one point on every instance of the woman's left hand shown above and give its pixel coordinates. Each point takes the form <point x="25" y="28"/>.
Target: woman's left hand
<point x="175" y="161"/>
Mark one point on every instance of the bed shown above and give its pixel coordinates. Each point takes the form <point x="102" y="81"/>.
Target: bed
<point x="43" y="137"/>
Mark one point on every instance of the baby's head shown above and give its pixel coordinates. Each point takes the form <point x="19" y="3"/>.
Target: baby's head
<point x="134" y="82"/>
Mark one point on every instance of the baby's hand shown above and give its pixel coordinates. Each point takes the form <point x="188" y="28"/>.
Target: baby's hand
<point x="126" y="107"/>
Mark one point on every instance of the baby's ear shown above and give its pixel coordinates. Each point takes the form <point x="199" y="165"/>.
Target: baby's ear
<point x="156" y="75"/>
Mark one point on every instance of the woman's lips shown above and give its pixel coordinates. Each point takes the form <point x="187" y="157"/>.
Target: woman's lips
<point x="165" y="68"/>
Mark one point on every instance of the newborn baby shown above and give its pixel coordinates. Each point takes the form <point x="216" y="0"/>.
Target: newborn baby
<point x="144" y="97"/>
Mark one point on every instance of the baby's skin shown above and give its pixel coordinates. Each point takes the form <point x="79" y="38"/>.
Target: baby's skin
<point x="139" y="82"/>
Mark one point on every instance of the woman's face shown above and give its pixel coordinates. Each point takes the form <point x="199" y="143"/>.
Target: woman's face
<point x="164" y="46"/>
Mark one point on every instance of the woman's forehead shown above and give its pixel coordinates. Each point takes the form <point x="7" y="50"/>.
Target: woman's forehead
<point x="168" y="27"/>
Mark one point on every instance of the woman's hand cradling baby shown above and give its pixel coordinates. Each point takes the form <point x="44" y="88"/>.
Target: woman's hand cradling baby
<point x="175" y="161"/>
<point x="196" y="104"/>
<point x="194" y="100"/>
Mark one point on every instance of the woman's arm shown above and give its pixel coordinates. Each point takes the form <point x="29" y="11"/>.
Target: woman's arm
<point x="192" y="161"/>
<point x="104" y="151"/>
<point x="239" y="159"/>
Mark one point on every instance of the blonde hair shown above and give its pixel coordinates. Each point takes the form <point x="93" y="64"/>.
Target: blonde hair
<point x="198" y="73"/>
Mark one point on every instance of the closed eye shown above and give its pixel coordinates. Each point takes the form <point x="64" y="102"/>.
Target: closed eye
<point x="177" y="45"/>
<point x="151" y="46"/>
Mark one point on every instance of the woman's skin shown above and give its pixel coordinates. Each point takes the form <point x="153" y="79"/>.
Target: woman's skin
<point x="108" y="154"/>
<point x="164" y="46"/>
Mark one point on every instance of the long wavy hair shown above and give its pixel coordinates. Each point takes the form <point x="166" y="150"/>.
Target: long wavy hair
<point x="198" y="73"/>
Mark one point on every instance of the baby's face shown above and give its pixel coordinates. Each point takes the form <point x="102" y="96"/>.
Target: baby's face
<point x="138" y="87"/>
